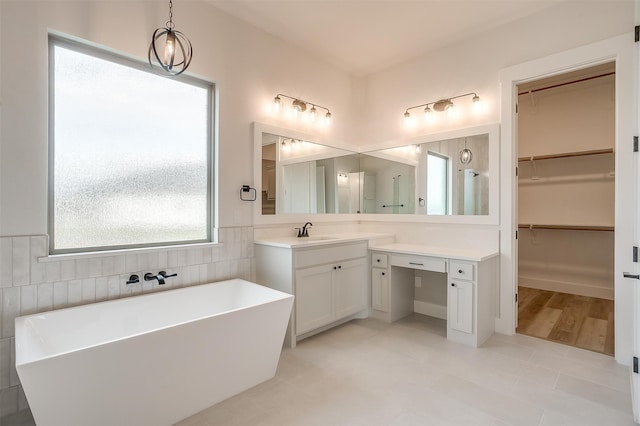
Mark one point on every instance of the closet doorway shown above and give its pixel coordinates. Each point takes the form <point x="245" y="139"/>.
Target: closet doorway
<point x="566" y="199"/>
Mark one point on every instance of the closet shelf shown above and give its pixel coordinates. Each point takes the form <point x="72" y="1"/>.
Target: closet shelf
<point x="567" y="154"/>
<point x="567" y="227"/>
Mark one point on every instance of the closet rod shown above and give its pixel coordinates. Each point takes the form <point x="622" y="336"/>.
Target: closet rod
<point x="567" y="154"/>
<point x="566" y="84"/>
<point x="568" y="227"/>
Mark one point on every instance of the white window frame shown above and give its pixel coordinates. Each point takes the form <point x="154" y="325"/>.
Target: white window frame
<point x="134" y="63"/>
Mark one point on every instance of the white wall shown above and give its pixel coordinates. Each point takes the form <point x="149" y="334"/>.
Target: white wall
<point x="248" y="66"/>
<point x="474" y="66"/>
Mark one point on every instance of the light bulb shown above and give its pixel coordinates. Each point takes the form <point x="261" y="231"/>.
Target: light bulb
<point x="169" y="49"/>
<point x="427" y="113"/>
<point x="327" y="118"/>
<point x="451" y="109"/>
<point x="418" y="149"/>
<point x="313" y="113"/>
<point x="477" y="105"/>
<point x="466" y="156"/>
<point x="407" y="118"/>
<point x="277" y="104"/>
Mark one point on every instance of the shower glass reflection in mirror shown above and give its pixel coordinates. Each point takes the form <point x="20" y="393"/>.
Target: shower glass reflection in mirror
<point x="438" y="183"/>
<point x="455" y="185"/>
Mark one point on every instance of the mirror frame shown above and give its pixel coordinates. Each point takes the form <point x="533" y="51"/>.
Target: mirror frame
<point x="493" y="130"/>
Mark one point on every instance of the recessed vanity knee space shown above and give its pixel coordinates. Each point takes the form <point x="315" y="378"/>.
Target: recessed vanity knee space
<point x="471" y="280"/>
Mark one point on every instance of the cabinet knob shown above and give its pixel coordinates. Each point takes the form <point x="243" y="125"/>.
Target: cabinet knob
<point x="453" y="284"/>
<point x="383" y="273"/>
<point x="339" y="267"/>
<point x="335" y="267"/>
<point x="378" y="260"/>
<point x="460" y="271"/>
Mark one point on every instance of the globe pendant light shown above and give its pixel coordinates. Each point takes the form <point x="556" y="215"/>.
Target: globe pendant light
<point x="175" y="47"/>
<point x="466" y="155"/>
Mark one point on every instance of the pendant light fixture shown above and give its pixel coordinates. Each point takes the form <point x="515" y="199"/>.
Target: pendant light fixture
<point x="175" y="48"/>
<point x="466" y="155"/>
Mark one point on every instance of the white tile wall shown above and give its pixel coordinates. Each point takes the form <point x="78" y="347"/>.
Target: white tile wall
<point x="28" y="286"/>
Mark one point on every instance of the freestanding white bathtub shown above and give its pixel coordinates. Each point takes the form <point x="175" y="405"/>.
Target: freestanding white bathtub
<point x="153" y="359"/>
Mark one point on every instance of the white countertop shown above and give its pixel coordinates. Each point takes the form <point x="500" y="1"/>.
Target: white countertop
<point x="319" y="240"/>
<point x="462" y="253"/>
<point x="381" y="242"/>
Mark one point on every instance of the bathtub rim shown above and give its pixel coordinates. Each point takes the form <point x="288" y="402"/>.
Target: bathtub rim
<point x="21" y="321"/>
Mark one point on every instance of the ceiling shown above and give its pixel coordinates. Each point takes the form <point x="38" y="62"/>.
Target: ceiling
<point x="364" y="36"/>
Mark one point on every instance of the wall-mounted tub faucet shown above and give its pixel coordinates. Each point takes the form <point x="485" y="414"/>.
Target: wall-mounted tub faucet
<point x="160" y="277"/>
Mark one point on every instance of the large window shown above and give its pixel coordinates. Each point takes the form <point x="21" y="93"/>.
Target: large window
<point x="437" y="183"/>
<point x="130" y="153"/>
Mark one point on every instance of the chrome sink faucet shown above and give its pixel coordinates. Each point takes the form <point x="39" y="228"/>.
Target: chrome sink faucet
<point x="304" y="231"/>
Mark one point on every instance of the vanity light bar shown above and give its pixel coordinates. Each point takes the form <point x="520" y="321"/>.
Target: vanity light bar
<point x="439" y="105"/>
<point x="300" y="105"/>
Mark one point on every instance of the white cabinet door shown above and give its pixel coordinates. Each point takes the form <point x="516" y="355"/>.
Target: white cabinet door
<point x="314" y="298"/>
<point x="350" y="287"/>
<point x="460" y="306"/>
<point x="380" y="289"/>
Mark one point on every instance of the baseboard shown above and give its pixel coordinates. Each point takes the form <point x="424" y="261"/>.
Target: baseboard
<point x="430" y="309"/>
<point x="566" y="287"/>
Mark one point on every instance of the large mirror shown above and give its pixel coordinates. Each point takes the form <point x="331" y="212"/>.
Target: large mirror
<point x="299" y="176"/>
<point x="453" y="174"/>
<point x="444" y="177"/>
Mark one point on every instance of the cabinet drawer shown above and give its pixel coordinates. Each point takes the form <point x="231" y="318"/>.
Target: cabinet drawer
<point x="419" y="262"/>
<point x="378" y="260"/>
<point x="461" y="270"/>
<point x="328" y="254"/>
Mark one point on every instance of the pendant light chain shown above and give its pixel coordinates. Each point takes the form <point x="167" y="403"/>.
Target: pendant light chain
<point x="170" y="23"/>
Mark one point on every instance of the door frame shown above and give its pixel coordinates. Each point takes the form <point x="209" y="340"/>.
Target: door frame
<point x="621" y="50"/>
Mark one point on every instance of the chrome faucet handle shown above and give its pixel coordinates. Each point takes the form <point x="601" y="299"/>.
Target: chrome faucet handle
<point x="164" y="274"/>
<point x="299" y="232"/>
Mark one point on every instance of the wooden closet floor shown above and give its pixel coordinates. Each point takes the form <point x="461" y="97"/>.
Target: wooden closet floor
<point x="580" y="321"/>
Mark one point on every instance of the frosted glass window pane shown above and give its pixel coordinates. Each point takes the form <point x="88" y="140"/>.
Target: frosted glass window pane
<point x="437" y="184"/>
<point x="131" y="162"/>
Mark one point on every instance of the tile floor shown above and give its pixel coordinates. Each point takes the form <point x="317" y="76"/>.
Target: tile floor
<point x="370" y="373"/>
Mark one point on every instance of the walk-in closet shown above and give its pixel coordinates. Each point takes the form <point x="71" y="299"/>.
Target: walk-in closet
<point x="566" y="182"/>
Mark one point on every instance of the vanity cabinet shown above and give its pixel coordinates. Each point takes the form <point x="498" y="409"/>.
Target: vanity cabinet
<point x="460" y="306"/>
<point x="328" y="293"/>
<point x="329" y="281"/>
<point x="460" y="296"/>
<point x="379" y="282"/>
